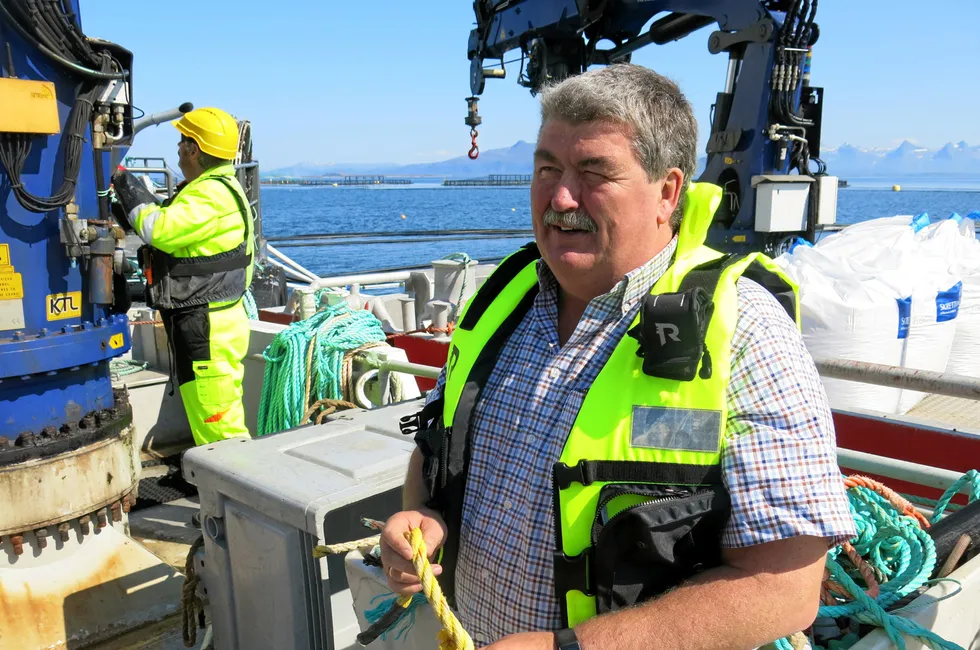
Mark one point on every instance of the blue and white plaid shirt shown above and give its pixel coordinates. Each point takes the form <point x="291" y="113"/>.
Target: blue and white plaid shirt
<point x="780" y="464"/>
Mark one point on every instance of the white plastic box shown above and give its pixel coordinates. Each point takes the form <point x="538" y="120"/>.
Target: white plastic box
<point x="781" y="203"/>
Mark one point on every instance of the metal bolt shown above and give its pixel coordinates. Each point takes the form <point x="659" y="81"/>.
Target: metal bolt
<point x="102" y="322"/>
<point x="18" y="336"/>
<point x="84" y="522"/>
<point x="4" y="442"/>
<point x="42" y="332"/>
<point x="100" y="519"/>
<point x="17" y="541"/>
<point x="88" y="422"/>
<point x="66" y="329"/>
<point x="49" y="432"/>
<point x="116" y="510"/>
<point x="42" y="537"/>
<point x="64" y="531"/>
<point x="25" y="439"/>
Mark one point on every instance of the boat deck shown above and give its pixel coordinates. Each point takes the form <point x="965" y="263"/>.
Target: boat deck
<point x="957" y="413"/>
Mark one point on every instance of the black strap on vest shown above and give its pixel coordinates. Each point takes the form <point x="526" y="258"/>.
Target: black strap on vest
<point x="456" y="457"/>
<point x="495" y="284"/>
<point x="587" y="472"/>
<point x="460" y="438"/>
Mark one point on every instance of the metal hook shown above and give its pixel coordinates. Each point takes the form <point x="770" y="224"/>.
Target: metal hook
<point x="474" y="150"/>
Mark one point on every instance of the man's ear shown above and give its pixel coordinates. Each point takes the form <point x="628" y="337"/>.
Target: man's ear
<point x="670" y="194"/>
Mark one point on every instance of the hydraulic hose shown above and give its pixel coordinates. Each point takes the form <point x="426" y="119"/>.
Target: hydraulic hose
<point x="57" y="58"/>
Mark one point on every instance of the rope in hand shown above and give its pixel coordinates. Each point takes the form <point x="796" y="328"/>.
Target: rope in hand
<point x="452" y="636"/>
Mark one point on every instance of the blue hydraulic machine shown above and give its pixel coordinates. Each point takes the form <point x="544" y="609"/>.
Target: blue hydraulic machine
<point x="66" y="121"/>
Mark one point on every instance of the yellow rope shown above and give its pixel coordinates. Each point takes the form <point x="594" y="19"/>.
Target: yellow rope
<point x="323" y="550"/>
<point x="452" y="636"/>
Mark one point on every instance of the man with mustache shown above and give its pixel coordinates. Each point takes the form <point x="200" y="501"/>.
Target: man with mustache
<point x="630" y="446"/>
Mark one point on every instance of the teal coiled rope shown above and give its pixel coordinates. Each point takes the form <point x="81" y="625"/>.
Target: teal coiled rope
<point x="251" y="310"/>
<point x="304" y="363"/>
<point x="902" y="554"/>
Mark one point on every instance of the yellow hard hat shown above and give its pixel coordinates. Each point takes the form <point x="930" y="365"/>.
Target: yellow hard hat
<point x="215" y="131"/>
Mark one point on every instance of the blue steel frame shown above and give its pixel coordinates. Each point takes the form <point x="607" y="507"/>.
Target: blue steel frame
<point x="624" y="20"/>
<point x="52" y="372"/>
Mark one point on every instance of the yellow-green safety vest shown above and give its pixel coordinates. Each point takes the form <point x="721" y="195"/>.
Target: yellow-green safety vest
<point x="199" y="247"/>
<point x="638" y="497"/>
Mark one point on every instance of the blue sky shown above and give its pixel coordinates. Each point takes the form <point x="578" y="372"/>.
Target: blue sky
<point x="385" y="81"/>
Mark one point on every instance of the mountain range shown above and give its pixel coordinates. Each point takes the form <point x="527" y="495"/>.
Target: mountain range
<point x="907" y="159"/>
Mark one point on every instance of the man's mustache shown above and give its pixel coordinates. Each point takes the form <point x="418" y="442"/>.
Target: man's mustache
<point x="577" y="220"/>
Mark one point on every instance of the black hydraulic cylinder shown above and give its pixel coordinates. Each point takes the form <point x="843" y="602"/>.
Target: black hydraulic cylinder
<point x="947" y="531"/>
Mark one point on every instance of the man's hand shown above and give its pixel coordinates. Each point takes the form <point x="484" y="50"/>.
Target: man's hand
<point x="525" y="641"/>
<point x="396" y="552"/>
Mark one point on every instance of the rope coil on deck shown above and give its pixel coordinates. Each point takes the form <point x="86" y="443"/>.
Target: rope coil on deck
<point x="891" y="559"/>
<point x="311" y="360"/>
<point x="191" y="604"/>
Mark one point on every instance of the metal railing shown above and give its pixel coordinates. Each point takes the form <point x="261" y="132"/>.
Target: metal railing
<point x="167" y="174"/>
<point x="248" y="177"/>
<point x="896" y="377"/>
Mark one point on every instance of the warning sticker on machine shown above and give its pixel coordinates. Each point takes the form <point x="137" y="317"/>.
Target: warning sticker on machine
<point x="64" y="305"/>
<point x="11" y="286"/>
<point x="116" y="341"/>
<point x="5" y="257"/>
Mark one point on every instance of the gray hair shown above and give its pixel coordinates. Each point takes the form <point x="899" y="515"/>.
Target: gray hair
<point x="661" y="120"/>
<point x="207" y="161"/>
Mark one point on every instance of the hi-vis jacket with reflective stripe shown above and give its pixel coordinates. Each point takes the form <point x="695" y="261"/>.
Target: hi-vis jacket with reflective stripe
<point x="639" y="503"/>
<point x="201" y="243"/>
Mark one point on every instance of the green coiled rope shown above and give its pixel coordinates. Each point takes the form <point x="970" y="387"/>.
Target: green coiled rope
<point x="320" y="342"/>
<point x="901" y="552"/>
<point x="251" y="309"/>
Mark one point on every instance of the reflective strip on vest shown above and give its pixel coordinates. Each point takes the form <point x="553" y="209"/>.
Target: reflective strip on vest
<point x="146" y="226"/>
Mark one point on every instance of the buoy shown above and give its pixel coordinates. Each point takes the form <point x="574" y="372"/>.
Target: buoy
<point x="403" y="216"/>
<point x="335" y="185"/>
<point x="513" y="209"/>
<point x="896" y="188"/>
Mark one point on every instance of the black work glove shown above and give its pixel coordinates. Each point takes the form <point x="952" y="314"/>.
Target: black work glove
<point x="130" y="196"/>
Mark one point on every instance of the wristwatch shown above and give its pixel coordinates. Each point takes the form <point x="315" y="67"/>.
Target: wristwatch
<point x="566" y="640"/>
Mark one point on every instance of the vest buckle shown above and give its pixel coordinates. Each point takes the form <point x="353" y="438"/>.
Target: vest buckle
<point x="565" y="475"/>
<point x="572" y="574"/>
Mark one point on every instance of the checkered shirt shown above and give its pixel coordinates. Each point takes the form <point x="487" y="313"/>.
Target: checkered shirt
<point x="780" y="463"/>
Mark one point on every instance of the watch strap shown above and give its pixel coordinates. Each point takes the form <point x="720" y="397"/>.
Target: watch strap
<point x="565" y="639"/>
